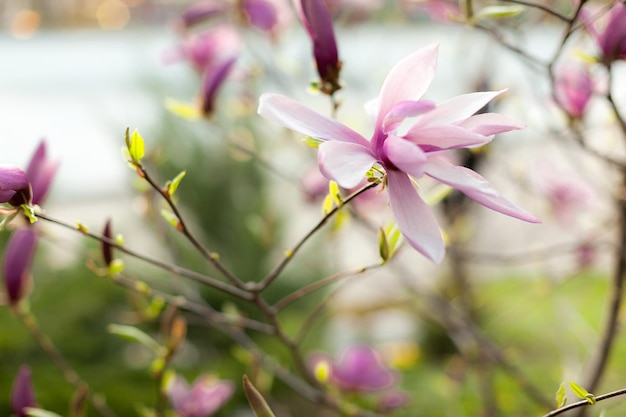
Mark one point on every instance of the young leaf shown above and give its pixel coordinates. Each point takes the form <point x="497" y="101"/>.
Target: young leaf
<point x="29" y="212"/>
<point x="135" y="146"/>
<point x="115" y="267"/>
<point x="170" y="217"/>
<point x="134" y="334"/>
<point x="39" y="412"/>
<point x="383" y="245"/>
<point x="185" y="111"/>
<point x="582" y="393"/>
<point x="561" y="397"/>
<point x="498" y="12"/>
<point x="312" y="142"/>
<point x="335" y="194"/>
<point x="172" y="186"/>
<point x="327" y="204"/>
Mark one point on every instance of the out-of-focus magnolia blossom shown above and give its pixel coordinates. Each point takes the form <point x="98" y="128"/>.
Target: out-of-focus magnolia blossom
<point x="567" y="193"/>
<point x="573" y="88"/>
<point x="609" y="33"/>
<point x="345" y="156"/>
<point x="22" y="393"/>
<point x="360" y="369"/>
<point x="268" y="16"/>
<point x="205" y="396"/>
<point x="442" y="11"/>
<point x="15" y="187"/>
<point x="318" y="22"/>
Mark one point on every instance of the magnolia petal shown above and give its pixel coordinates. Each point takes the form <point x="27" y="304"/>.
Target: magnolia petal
<point x="345" y="163"/>
<point x="415" y="218"/>
<point x="405" y="109"/>
<point x="22" y="393"/>
<point x="475" y="187"/>
<point x="405" y="155"/>
<point x="408" y="79"/>
<point x="40" y="171"/>
<point x="295" y="116"/>
<point x="435" y="138"/>
<point x="489" y="124"/>
<point x="458" y="108"/>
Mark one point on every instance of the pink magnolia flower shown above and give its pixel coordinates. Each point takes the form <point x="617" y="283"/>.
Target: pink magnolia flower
<point x="611" y="38"/>
<point x="573" y="88"/>
<point x="22" y="394"/>
<point x="318" y="22"/>
<point x="15" y="187"/>
<point x="202" y="10"/>
<point x="202" y="399"/>
<point x="345" y="156"/>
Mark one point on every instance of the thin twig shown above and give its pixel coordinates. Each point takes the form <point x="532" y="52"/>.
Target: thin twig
<point x="46" y="344"/>
<point x="274" y="273"/>
<point x="585" y="403"/>
<point x="212" y="257"/>
<point x="174" y="269"/>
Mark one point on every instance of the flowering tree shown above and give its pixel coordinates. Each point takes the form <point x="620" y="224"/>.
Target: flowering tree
<point x="422" y="160"/>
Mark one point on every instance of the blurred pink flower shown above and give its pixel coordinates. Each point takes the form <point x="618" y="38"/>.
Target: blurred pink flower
<point x="22" y="394"/>
<point x="345" y="156"/>
<point x="200" y="11"/>
<point x="202" y="399"/>
<point x="15" y="187"/>
<point x="318" y="22"/>
<point x="610" y="35"/>
<point x="360" y="368"/>
<point x="573" y="88"/>
<point x="566" y="192"/>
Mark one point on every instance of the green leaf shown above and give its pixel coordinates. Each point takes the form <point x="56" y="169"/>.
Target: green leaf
<point x="561" y="397"/>
<point x="170" y="218"/>
<point x="39" y="412"/>
<point x="327" y="204"/>
<point x="312" y="142"/>
<point x="383" y="245"/>
<point x="29" y="211"/>
<point x="187" y="111"/>
<point x="498" y="12"/>
<point x="335" y="194"/>
<point x="135" y="335"/>
<point x="115" y="267"/>
<point x="135" y="145"/>
<point x="582" y="393"/>
<point x="172" y="186"/>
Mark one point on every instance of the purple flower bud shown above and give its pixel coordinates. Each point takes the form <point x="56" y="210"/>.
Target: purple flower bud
<point x="212" y="80"/>
<point x="318" y="22"/>
<point x="18" y="256"/>
<point x="392" y="400"/>
<point x="40" y="172"/>
<point x="202" y="399"/>
<point x="107" y="249"/>
<point x="611" y="39"/>
<point x="15" y="188"/>
<point x="22" y="394"/>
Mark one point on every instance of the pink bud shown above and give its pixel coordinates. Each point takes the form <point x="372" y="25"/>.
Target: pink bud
<point x="22" y="394"/>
